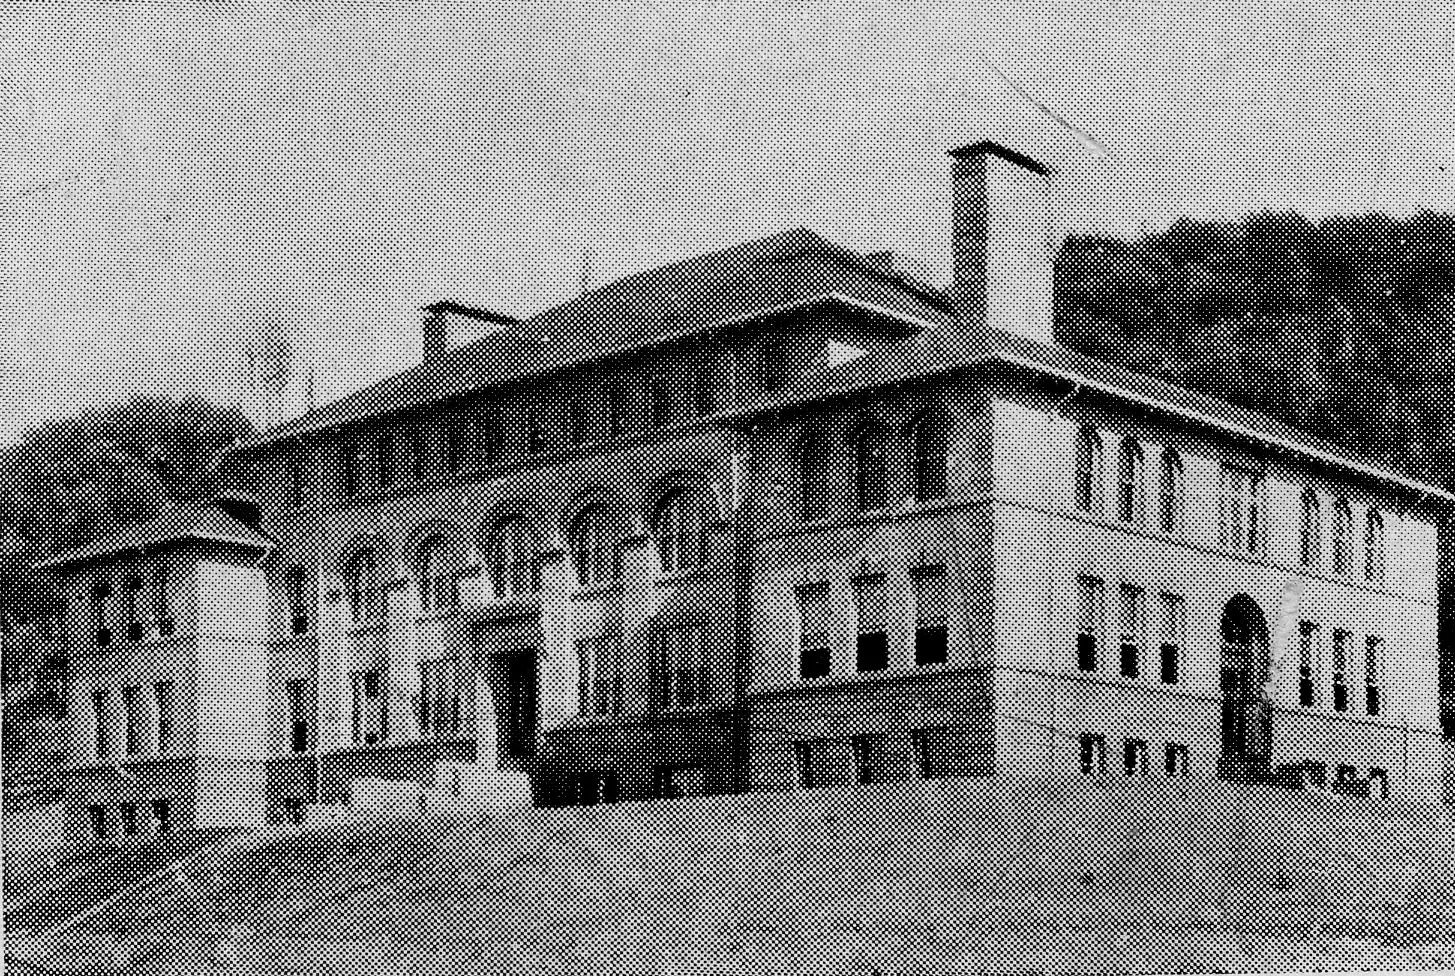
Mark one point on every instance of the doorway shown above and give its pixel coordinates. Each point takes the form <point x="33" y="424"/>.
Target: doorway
<point x="1246" y="721"/>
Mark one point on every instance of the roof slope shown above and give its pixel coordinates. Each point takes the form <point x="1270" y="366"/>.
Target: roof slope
<point x="186" y="521"/>
<point x="724" y="287"/>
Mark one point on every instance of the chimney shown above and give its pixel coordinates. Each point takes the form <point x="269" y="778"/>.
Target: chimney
<point x="1001" y="234"/>
<point x="449" y="325"/>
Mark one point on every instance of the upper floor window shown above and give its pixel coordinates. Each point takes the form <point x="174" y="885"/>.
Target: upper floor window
<point x="1174" y="634"/>
<point x="593" y="546"/>
<point x="488" y="424"/>
<point x="1310" y="530"/>
<point x="599" y="677"/>
<point x="1131" y="483"/>
<point x="1240" y="510"/>
<point x="1172" y="503"/>
<point x="436" y="575"/>
<point x="456" y="444"/>
<point x="101" y="703"/>
<point x="1089" y="471"/>
<point x="297" y="715"/>
<point x="930" y="450"/>
<point x="812" y="478"/>
<point x="871" y="649"/>
<point x="1374" y="547"/>
<point x="384" y="459"/>
<point x="1133" y="626"/>
<point x="1343" y="538"/>
<point x="704" y="385"/>
<point x="1373" y="674"/>
<point x="1308" y="663"/>
<point x="1339" y="664"/>
<point x="1090" y="621"/>
<point x="615" y="423"/>
<point x="100" y="593"/>
<point x="815" y="620"/>
<point x="354" y="461"/>
<point x="931" y="614"/>
<point x="680" y="525"/>
<point x="417" y="451"/>
<point x="296" y="490"/>
<point x="166" y="720"/>
<point x="514" y="555"/>
<point x="298" y="598"/>
<point x="162" y="597"/>
<point x="660" y="401"/>
<point x="577" y="421"/>
<point x="683" y="675"/>
<point x="365" y="593"/>
<point x="131" y="598"/>
<point x="773" y="365"/>
<point x="871" y="473"/>
<point x="535" y="435"/>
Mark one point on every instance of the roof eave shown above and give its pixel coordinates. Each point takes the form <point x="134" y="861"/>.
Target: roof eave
<point x="93" y="555"/>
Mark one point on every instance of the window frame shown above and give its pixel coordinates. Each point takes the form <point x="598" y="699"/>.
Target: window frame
<point x="1132" y="639"/>
<point x="680" y="524"/>
<point x="871" y="606"/>
<point x="1131" y="483"/>
<point x="1310" y="530"/>
<point x="594" y="552"/>
<point x="1089" y="484"/>
<point x="514" y="569"/>
<point x="929" y="454"/>
<point x="931" y="623"/>
<point x="1342" y="543"/>
<point x="1174" y="638"/>
<point x="814" y="645"/>
<point x="813" y="477"/>
<point x="1171" y="494"/>
<point x="1375" y="540"/>
<point x="1090" y="622"/>
<point x="436" y="575"/>
<point x="870" y="459"/>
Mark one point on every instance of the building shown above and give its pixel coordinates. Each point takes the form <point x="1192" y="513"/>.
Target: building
<point x="784" y="515"/>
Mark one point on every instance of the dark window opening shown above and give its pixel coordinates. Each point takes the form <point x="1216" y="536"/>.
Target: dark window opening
<point x="1086" y="652"/>
<point x="1169" y="664"/>
<point x="872" y="651"/>
<point x="1093" y="755"/>
<point x="813" y="663"/>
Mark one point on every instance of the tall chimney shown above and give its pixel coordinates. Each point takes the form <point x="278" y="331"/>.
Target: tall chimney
<point x="1001" y="233"/>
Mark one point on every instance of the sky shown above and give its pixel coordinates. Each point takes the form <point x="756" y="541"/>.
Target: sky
<point x="176" y="178"/>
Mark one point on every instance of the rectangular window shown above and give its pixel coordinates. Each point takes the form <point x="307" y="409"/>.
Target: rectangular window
<point x="417" y="451"/>
<point x="803" y="764"/>
<point x="1373" y="669"/>
<point x="1132" y="625"/>
<point x="1090" y="614"/>
<point x="1308" y="649"/>
<point x="1174" y="629"/>
<point x="371" y="717"/>
<point x="872" y="645"/>
<point x="161" y="816"/>
<point x="296" y="491"/>
<point x="131" y="599"/>
<point x="919" y="746"/>
<point x="384" y="460"/>
<point x="98" y="821"/>
<point x="298" y="599"/>
<point x="1240" y="510"/>
<point x="353" y="467"/>
<point x="166" y="719"/>
<point x="101" y="701"/>
<point x="455" y="436"/>
<point x="683" y="671"/>
<point x="100" y="593"/>
<point x="1175" y="760"/>
<point x="814" y="621"/>
<point x="1134" y="757"/>
<point x="1339" y="652"/>
<point x="931" y="603"/>
<point x="490" y="437"/>
<point x="867" y="759"/>
<point x="297" y="716"/>
<point x="1093" y="755"/>
<point x="128" y="819"/>
<point x="599" y="687"/>
<point x="439" y="697"/>
<point x="131" y="706"/>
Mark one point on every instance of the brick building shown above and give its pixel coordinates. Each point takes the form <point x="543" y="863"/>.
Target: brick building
<point x="785" y="515"/>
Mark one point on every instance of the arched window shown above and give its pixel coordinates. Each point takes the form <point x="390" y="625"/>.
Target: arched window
<point x="1089" y="472"/>
<point x="593" y="547"/>
<point x="513" y="559"/>
<point x="1170" y="495"/>
<point x="366" y="598"/>
<point x="812" y="478"/>
<point x="1131" y="483"/>
<point x="436" y="576"/>
<point x="1374" y="547"/>
<point x="680" y="525"/>
<point x="1310" y="531"/>
<point x="871" y="473"/>
<point x="929" y="458"/>
<point x="1343" y="538"/>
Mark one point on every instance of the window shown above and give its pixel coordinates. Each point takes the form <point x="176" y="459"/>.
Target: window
<point x="101" y="703"/>
<point x="661" y="402"/>
<point x="100" y="593"/>
<point x="615" y="424"/>
<point x="1240" y="510"/>
<point x="166" y="719"/>
<point x="931" y="604"/>
<point x="130" y="598"/>
<point x="1175" y="759"/>
<point x="162" y="816"/>
<point x="930" y="450"/>
<point x="1310" y="528"/>
<point x="803" y="764"/>
<point x="1308" y="650"/>
<point x="128" y="819"/>
<point x="1134" y="757"/>
<point x="297" y="492"/>
<point x="439" y="697"/>
<point x="535" y="435"/>
<point x="919" y="747"/>
<point x="1339" y="652"/>
<point x="384" y="459"/>
<point x="872" y="646"/>
<point x="1089" y="472"/>
<point x="131" y="709"/>
<point x="1091" y="614"/>
<point x="814" y="622"/>
<point x="812" y="478"/>
<point x="1171" y="494"/>
<point x="98" y="821"/>
<point x="593" y="548"/>
<point x="366" y="596"/>
<point x="1174" y="629"/>
<point x="371" y="716"/>
<point x="1373" y="669"/>
<point x="704" y="388"/>
<point x="436" y="576"/>
<point x="1133" y="623"/>
<point x="297" y="716"/>
<point x="681" y="529"/>
<point x="514" y="558"/>
<point x="576" y="421"/>
<point x="867" y="759"/>
<point x="298" y="598"/>
<point x="871" y="475"/>
<point x="1343" y="533"/>
<point x="456" y="448"/>
<point x="1131" y="483"/>
<point x="1378" y="784"/>
<point x="417" y="451"/>
<point x="599" y="686"/>
<point x="490" y="435"/>
<point x="161" y="599"/>
<point x="1093" y="755"/>
<point x="1374" y="547"/>
<point x="683" y="674"/>
<point x="355" y="462"/>
<point x="773" y="365"/>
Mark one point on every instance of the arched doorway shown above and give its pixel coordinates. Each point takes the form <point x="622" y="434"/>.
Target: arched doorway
<point x="1246" y="723"/>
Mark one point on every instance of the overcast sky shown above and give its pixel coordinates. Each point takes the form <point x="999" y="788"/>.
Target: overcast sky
<point x="176" y="173"/>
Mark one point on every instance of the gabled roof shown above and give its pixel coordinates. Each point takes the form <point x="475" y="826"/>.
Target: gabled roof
<point x="192" y="521"/>
<point x="725" y="288"/>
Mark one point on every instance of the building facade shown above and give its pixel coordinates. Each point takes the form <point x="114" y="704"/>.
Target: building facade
<point x="785" y="515"/>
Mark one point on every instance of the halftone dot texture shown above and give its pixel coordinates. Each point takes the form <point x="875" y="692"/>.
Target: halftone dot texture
<point x="988" y="633"/>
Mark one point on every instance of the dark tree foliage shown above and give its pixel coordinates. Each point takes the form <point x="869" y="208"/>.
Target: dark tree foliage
<point x="1344" y="328"/>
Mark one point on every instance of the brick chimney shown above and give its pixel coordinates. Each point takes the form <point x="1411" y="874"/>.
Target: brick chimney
<point x="1001" y="234"/>
<point x="450" y="325"/>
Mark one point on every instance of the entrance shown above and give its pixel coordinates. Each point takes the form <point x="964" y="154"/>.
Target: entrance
<point x="1246" y="721"/>
<point x="518" y="705"/>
